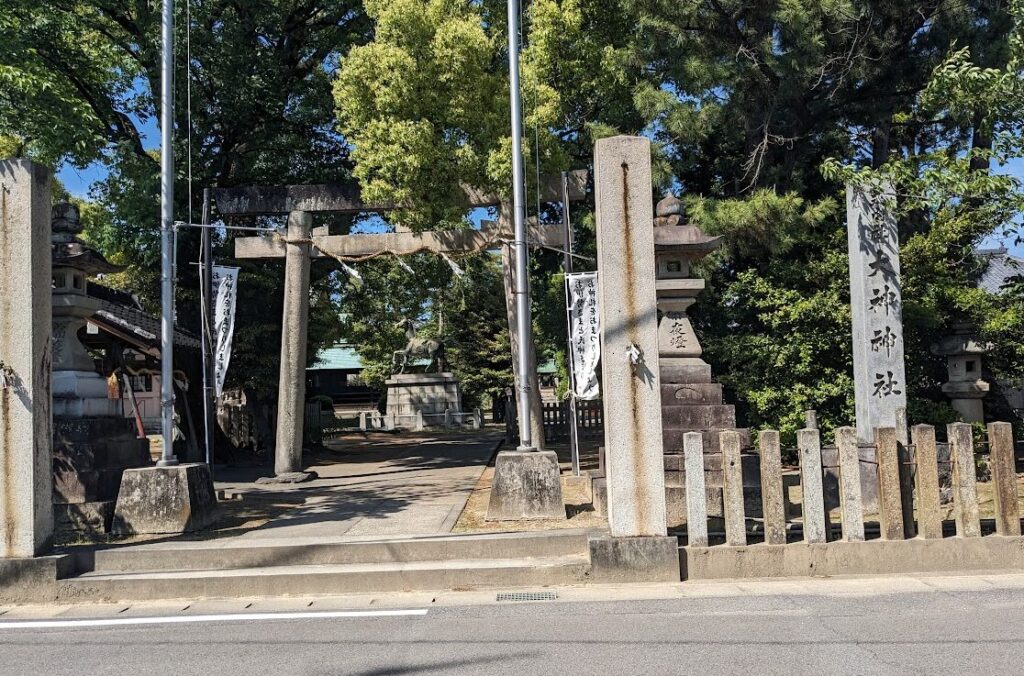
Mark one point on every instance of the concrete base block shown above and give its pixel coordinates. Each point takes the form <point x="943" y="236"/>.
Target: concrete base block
<point x="33" y="580"/>
<point x="176" y="499"/>
<point x="578" y="485"/>
<point x="874" y="557"/>
<point x="634" y="559"/>
<point x="527" y="485"/>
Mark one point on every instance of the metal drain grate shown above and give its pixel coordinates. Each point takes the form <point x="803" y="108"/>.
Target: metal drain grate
<point x="527" y="596"/>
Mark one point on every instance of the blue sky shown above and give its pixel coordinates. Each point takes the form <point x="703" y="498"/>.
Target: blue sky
<point x="79" y="181"/>
<point x="1014" y="167"/>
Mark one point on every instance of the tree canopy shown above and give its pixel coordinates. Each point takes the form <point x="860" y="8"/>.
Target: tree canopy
<point x="758" y="113"/>
<point x="80" y="83"/>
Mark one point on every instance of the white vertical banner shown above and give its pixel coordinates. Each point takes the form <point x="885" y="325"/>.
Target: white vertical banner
<point x="584" y="333"/>
<point x="225" y="287"/>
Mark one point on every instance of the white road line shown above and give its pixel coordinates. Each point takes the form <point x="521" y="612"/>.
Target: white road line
<point x="186" y="619"/>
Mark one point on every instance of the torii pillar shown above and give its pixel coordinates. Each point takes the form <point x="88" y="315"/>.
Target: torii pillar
<point x="300" y="202"/>
<point x="291" y="396"/>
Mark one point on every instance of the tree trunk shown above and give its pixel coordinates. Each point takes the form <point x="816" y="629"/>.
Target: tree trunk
<point x="880" y="143"/>
<point x="980" y="140"/>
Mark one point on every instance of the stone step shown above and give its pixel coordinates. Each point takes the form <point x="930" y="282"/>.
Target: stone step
<point x="750" y="463"/>
<point x="116" y="451"/>
<point x="690" y="393"/>
<point x="295" y="580"/>
<point x="672" y="438"/>
<point x="700" y="417"/>
<point x="213" y="555"/>
<point x="695" y="372"/>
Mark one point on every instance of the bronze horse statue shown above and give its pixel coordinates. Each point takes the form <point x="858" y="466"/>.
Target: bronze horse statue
<point x="416" y="348"/>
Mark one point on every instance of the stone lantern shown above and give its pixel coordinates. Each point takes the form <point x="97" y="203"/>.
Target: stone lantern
<point x="690" y="399"/>
<point x="965" y="388"/>
<point x="78" y="390"/>
<point x="93" y="443"/>
<point x="676" y="248"/>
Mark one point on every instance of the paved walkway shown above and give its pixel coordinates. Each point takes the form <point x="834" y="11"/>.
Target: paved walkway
<point x="377" y="485"/>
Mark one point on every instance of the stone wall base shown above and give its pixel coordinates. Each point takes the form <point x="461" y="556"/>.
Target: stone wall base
<point x="874" y="557"/>
<point x="634" y="559"/>
<point x="32" y="580"/>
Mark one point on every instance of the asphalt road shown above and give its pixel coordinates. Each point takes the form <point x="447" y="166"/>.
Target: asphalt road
<point x="942" y="631"/>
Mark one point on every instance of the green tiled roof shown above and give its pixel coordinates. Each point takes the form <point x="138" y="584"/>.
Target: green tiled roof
<point x="340" y="357"/>
<point x="343" y="357"/>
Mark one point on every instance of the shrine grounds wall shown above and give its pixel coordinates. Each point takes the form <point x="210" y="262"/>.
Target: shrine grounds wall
<point x="910" y="532"/>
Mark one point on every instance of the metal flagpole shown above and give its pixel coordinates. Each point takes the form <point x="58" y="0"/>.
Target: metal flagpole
<point x="522" y="289"/>
<point x="574" y="442"/>
<point x="206" y="326"/>
<point x="166" y="236"/>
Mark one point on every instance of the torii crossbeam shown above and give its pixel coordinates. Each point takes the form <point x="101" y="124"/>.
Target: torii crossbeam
<point x="302" y="243"/>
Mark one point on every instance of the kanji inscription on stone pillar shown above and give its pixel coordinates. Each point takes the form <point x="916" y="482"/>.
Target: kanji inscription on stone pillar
<point x="876" y="309"/>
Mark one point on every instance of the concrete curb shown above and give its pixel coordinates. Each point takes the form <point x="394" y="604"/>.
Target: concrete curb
<point x="873" y="557"/>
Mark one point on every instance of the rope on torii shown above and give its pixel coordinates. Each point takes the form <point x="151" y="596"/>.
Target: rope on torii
<point x="324" y="245"/>
<point x="301" y="243"/>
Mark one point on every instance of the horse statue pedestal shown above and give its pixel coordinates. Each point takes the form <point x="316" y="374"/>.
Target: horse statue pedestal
<point x="422" y="399"/>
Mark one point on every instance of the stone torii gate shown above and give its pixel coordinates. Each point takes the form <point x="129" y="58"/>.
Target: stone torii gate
<point x="302" y="243"/>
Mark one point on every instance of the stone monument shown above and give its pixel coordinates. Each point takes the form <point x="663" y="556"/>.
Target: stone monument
<point x="26" y="479"/>
<point x="631" y="380"/>
<point x="690" y="399"/>
<point x="876" y="309"/>
<point x="93" y="443"/>
<point x="876" y="306"/>
<point x="421" y="399"/>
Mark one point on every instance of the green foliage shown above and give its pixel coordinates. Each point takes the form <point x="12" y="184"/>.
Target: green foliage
<point x="465" y="313"/>
<point x="65" y="88"/>
<point x="966" y="119"/>
<point x="418" y="104"/>
<point x="80" y="79"/>
<point x="758" y="113"/>
<point x="777" y="307"/>
<point x="476" y="334"/>
<point x="745" y="102"/>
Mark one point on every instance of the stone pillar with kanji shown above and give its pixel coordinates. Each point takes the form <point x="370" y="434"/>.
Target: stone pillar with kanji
<point x="876" y="307"/>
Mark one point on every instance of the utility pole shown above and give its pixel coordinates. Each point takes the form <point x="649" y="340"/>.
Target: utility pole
<point x="522" y="281"/>
<point x="167" y="236"/>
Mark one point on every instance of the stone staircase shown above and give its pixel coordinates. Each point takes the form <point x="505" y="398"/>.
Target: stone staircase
<point x="240" y="569"/>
